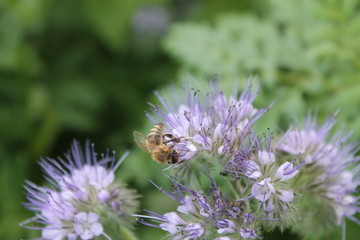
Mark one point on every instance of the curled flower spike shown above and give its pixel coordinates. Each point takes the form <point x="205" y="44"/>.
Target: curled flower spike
<point x="207" y="121"/>
<point x="83" y="196"/>
<point x="202" y="215"/>
<point x="331" y="173"/>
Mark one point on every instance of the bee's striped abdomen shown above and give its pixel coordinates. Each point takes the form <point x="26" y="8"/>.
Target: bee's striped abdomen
<point x="155" y="134"/>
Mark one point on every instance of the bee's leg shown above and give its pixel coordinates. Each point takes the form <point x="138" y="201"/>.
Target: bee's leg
<point x="172" y="138"/>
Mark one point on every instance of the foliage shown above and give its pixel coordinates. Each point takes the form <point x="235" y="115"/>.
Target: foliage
<point x="305" y="52"/>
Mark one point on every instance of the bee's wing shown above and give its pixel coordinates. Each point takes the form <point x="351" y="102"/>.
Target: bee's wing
<point x="140" y="140"/>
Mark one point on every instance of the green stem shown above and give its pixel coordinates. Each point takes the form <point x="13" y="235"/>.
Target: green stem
<point x="126" y="234"/>
<point x="233" y="188"/>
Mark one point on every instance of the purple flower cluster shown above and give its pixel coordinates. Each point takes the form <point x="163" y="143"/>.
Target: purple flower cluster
<point x="256" y="163"/>
<point x="208" y="121"/>
<point x="83" y="191"/>
<point x="273" y="177"/>
<point x="334" y="160"/>
<point x="205" y="215"/>
<point x="257" y="182"/>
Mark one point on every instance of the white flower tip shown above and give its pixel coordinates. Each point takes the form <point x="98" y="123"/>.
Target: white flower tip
<point x="173" y="217"/>
<point x="287" y="196"/>
<point x="266" y="158"/>
<point x="103" y="196"/>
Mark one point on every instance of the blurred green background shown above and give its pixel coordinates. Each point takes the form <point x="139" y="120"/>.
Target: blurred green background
<point x="86" y="69"/>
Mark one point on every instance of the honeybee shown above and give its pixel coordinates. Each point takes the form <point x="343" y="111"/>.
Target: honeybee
<point x="155" y="144"/>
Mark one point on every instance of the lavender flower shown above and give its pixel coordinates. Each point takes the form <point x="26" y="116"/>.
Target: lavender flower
<point x="204" y="216"/>
<point x="267" y="179"/>
<point x="208" y="121"/>
<point x="83" y="197"/>
<point x="331" y="174"/>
